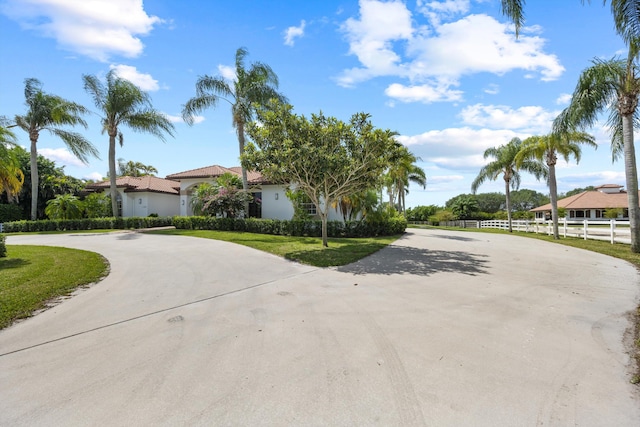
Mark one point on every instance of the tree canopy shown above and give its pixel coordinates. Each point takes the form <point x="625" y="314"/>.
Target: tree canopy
<point x="323" y="157"/>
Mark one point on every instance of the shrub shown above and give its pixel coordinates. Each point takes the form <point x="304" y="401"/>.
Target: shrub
<point x="442" y="216"/>
<point x="87" y="224"/>
<point x="10" y="212"/>
<point x="3" y="246"/>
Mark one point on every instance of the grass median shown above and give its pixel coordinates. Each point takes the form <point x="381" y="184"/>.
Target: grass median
<point x="306" y="250"/>
<point x="31" y="276"/>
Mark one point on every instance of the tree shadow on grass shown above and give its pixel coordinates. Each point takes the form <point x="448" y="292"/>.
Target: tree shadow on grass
<point x="422" y="262"/>
<point x="13" y="263"/>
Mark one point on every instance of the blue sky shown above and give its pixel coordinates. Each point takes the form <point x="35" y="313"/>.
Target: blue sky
<point x="448" y="76"/>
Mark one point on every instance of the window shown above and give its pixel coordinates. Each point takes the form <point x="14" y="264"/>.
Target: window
<point x="309" y="208"/>
<point x="599" y="213"/>
<point x="579" y="214"/>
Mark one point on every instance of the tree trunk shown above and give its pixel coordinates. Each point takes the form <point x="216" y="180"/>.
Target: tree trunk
<point x="553" y="194"/>
<point x="631" y="174"/>
<point x="508" y="201"/>
<point x="112" y="175"/>
<point x="35" y="184"/>
<point x="245" y="181"/>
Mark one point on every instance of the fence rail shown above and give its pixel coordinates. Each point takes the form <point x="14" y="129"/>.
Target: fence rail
<point x="614" y="230"/>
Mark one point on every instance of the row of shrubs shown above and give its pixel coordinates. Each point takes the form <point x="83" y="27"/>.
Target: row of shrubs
<point x="3" y="247"/>
<point x="87" y="224"/>
<point x="395" y="225"/>
<point x="313" y="228"/>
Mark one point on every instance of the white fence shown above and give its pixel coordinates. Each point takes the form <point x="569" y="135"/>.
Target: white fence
<point x="614" y="230"/>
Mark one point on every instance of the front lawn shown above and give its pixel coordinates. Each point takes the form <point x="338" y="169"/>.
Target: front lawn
<point x="30" y="276"/>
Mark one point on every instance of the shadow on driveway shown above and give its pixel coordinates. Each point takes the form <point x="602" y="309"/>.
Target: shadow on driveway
<point x="422" y="262"/>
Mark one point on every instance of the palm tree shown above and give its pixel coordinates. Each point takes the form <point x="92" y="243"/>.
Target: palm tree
<point x="132" y="168"/>
<point x="11" y="176"/>
<point x="253" y="87"/>
<point x="50" y="112"/>
<point x="504" y="164"/>
<point x="122" y="103"/>
<point x="547" y="148"/>
<point x="64" y="206"/>
<point x="612" y="85"/>
<point x="401" y="172"/>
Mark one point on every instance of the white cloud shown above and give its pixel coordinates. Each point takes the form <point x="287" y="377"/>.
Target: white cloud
<point x="178" y="119"/>
<point x="292" y="33"/>
<point x="98" y="29"/>
<point x="564" y="99"/>
<point x="61" y="155"/>
<point x="443" y="179"/>
<point x="94" y="176"/>
<point x="370" y="39"/>
<point x="456" y="148"/>
<point x="144" y="81"/>
<point x="569" y="182"/>
<point x="422" y="93"/>
<point x="492" y="89"/>
<point x="532" y="119"/>
<point x="388" y="40"/>
<point x="227" y="72"/>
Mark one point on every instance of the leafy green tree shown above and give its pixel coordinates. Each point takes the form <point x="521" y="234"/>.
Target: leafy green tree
<point x="546" y="148"/>
<point x="52" y="181"/>
<point x="323" y="157"/>
<point x="358" y="204"/>
<point x="525" y="200"/>
<point x="11" y="176"/>
<point x="576" y="191"/>
<point x="252" y="88"/>
<point x="132" y="168"/>
<point x="50" y="113"/>
<point x="121" y="103"/>
<point x="97" y="205"/>
<point x="64" y="206"/>
<point x="403" y="170"/>
<point x="613" y="86"/>
<point x="490" y="202"/>
<point x="504" y="163"/>
<point x="421" y="213"/>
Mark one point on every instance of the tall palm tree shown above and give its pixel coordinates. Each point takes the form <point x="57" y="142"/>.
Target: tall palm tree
<point x="546" y="148"/>
<point x="612" y="85"/>
<point x="132" y="168"/>
<point x="252" y="87"/>
<point x="11" y="176"/>
<point x="122" y="103"/>
<point x="50" y="113"/>
<point x="504" y="163"/>
<point x="402" y="171"/>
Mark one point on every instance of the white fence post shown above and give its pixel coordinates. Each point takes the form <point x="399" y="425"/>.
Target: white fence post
<point x="586" y="225"/>
<point x="565" y="227"/>
<point x="613" y="231"/>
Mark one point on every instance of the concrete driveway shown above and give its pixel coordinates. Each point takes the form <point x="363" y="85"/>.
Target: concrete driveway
<point x="441" y="328"/>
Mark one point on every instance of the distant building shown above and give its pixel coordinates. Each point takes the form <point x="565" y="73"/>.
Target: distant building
<point x="590" y="204"/>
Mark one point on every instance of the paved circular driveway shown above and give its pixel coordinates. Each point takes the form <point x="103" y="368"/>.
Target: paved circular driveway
<point x="440" y="328"/>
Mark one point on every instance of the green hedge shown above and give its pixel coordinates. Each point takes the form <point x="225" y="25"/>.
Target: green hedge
<point x="9" y="212"/>
<point x="86" y="224"/>
<point x="294" y="227"/>
<point x="252" y="225"/>
<point x="3" y="247"/>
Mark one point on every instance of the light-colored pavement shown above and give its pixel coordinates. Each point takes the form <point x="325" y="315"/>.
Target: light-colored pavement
<point x="441" y="328"/>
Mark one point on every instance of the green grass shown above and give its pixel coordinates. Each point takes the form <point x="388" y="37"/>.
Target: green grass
<point x="307" y="250"/>
<point x="32" y="275"/>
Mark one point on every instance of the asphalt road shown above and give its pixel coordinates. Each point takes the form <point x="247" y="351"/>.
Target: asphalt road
<point x="440" y="329"/>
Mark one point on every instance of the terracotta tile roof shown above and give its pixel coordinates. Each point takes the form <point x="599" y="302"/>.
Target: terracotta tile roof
<point x="148" y="183"/>
<point x="590" y="200"/>
<point x="215" y="171"/>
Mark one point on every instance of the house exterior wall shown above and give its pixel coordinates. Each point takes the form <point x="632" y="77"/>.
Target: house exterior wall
<point x="162" y="204"/>
<point x="276" y="204"/>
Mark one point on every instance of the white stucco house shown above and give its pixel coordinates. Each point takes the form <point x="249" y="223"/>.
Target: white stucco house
<point x="171" y="196"/>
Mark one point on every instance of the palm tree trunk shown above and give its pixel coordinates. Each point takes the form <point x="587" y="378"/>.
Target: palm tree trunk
<point x="35" y="185"/>
<point x="112" y="176"/>
<point x="631" y="175"/>
<point x="553" y="194"/>
<point x="508" y="201"/>
<point x="245" y="181"/>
